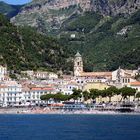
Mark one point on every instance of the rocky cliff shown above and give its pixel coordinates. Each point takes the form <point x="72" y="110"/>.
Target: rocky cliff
<point x="49" y="15"/>
<point x="114" y="7"/>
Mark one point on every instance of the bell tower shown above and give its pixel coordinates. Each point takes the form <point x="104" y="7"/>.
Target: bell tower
<point x="78" y="64"/>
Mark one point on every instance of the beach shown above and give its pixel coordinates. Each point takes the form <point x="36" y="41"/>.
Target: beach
<point x="39" y="110"/>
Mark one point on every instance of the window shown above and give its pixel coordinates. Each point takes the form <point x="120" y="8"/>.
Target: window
<point x="125" y="80"/>
<point x="78" y="63"/>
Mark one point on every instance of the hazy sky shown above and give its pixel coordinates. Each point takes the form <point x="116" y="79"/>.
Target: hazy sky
<point x="16" y="1"/>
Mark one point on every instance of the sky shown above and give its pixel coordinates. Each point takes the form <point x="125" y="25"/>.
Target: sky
<point x="15" y="2"/>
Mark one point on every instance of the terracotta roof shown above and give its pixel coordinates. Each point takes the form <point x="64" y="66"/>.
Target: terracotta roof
<point x="3" y="86"/>
<point x="137" y="83"/>
<point x="41" y="88"/>
<point x="96" y="74"/>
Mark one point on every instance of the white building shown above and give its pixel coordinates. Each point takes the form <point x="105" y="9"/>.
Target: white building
<point x="123" y="77"/>
<point x="10" y="94"/>
<point x="40" y="74"/>
<point x="31" y="96"/>
<point x="68" y="88"/>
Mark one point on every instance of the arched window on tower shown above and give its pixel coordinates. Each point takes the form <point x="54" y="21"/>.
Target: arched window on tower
<point x="78" y="63"/>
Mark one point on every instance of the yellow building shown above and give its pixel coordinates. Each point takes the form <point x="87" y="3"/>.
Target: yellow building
<point x="99" y="86"/>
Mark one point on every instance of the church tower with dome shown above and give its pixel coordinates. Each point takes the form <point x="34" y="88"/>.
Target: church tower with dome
<point x="78" y="64"/>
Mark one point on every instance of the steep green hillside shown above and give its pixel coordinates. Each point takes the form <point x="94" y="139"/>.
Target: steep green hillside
<point x="105" y="42"/>
<point x="9" y="10"/>
<point x="106" y="32"/>
<point x="24" y="48"/>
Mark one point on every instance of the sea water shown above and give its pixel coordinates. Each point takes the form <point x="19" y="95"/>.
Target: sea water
<point x="69" y="127"/>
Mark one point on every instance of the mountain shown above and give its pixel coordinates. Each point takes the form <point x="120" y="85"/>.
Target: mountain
<point x="24" y="49"/>
<point x="49" y="15"/>
<point x="106" y="32"/>
<point x="105" y="42"/>
<point x="9" y="10"/>
<point x="115" y="7"/>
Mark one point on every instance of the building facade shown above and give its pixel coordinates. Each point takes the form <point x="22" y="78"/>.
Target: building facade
<point x="3" y="72"/>
<point x="10" y="94"/>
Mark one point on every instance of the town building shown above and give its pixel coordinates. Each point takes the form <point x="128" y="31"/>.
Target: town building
<point x="67" y="89"/>
<point x="3" y="72"/>
<point x="135" y="85"/>
<point x="95" y="85"/>
<point x="121" y="77"/>
<point x="79" y="72"/>
<point x="31" y="95"/>
<point x="118" y="78"/>
<point x="40" y="75"/>
<point x="10" y="93"/>
<point x="28" y="91"/>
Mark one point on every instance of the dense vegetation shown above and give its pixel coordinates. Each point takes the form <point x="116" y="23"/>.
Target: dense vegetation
<point x="105" y="42"/>
<point x="24" y="48"/>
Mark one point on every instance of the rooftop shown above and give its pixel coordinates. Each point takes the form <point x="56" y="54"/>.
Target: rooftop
<point x="137" y="83"/>
<point x="96" y="74"/>
<point x="78" y="54"/>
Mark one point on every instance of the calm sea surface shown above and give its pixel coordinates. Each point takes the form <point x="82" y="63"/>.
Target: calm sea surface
<point x="69" y="127"/>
